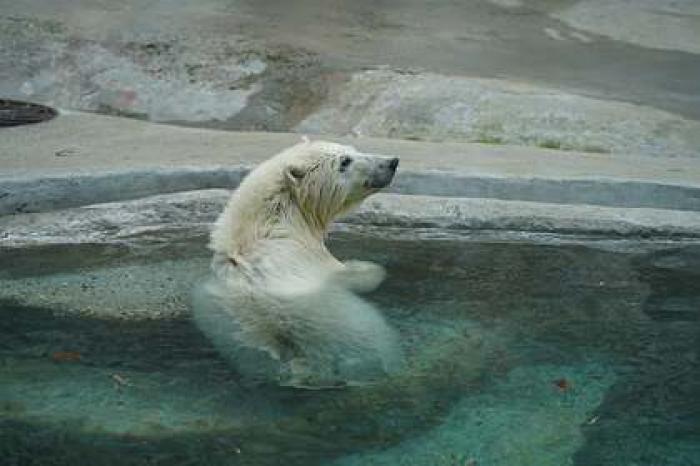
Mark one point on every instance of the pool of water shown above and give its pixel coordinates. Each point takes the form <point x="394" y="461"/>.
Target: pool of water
<point x="518" y="352"/>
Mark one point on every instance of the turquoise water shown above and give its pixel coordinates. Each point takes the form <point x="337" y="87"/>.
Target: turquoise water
<point x="519" y="353"/>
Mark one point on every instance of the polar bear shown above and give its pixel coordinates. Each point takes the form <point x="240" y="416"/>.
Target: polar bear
<point x="279" y="305"/>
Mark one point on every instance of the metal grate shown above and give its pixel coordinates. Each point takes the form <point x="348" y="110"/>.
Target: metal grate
<point x="14" y="113"/>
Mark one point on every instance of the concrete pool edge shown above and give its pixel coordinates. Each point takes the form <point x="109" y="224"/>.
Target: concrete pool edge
<point x="187" y="215"/>
<point x="46" y="192"/>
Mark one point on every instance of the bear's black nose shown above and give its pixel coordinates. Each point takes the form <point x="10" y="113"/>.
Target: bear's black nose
<point x="393" y="163"/>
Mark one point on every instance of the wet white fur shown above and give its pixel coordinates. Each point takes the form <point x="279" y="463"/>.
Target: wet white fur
<point x="278" y="289"/>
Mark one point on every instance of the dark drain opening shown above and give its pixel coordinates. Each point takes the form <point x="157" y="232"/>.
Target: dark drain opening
<point x="14" y="113"/>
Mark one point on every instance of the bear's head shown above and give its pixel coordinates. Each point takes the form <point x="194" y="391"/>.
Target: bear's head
<point x="327" y="179"/>
<point x="299" y="191"/>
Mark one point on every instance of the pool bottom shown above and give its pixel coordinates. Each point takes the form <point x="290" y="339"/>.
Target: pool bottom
<point x="520" y="354"/>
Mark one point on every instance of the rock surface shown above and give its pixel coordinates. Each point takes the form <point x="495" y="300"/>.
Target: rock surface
<point x="439" y="108"/>
<point x="245" y="65"/>
<point x="662" y="24"/>
<point x="226" y="82"/>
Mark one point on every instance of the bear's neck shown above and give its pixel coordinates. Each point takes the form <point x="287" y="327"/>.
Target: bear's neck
<point x="241" y="226"/>
<point x="295" y="223"/>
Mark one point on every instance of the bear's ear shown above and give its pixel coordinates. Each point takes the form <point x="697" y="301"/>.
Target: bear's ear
<point x="294" y="175"/>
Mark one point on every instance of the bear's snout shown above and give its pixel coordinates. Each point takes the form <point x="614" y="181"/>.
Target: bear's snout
<point x="389" y="164"/>
<point x="383" y="173"/>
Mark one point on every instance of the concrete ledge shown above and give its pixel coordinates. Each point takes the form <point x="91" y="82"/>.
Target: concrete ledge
<point x="188" y="215"/>
<point x="40" y="194"/>
<point x="535" y="217"/>
<point x="80" y="159"/>
<point x="601" y="191"/>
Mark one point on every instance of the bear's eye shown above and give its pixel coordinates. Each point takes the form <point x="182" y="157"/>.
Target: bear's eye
<point x="345" y="161"/>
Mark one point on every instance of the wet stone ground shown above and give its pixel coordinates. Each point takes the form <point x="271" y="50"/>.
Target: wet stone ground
<point x="517" y="353"/>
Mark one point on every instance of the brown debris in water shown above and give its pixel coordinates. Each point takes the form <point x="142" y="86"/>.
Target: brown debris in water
<point x="562" y="384"/>
<point x="65" y="356"/>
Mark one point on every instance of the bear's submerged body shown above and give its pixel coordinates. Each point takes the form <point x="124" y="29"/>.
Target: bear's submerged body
<point x="279" y="305"/>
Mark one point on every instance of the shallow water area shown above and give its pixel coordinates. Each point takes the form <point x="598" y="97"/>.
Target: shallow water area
<point x="519" y="351"/>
